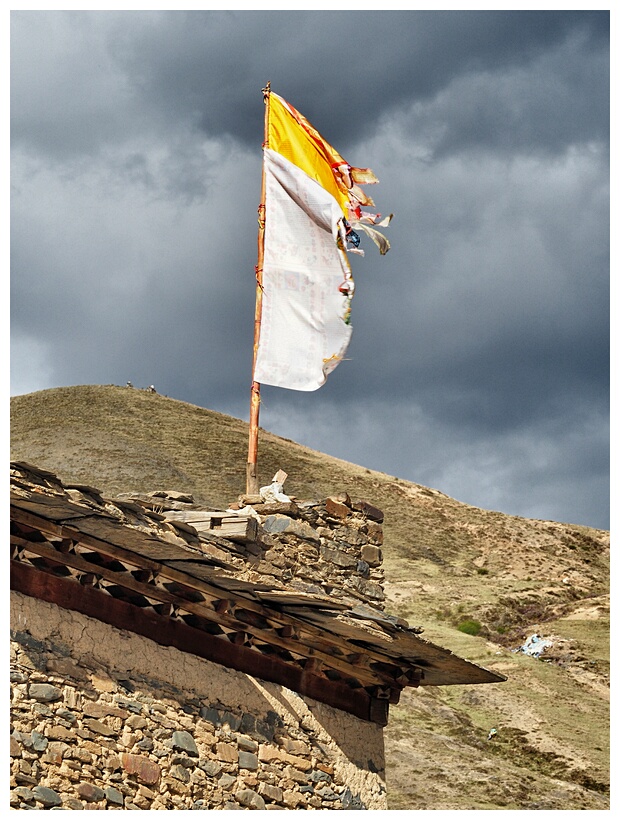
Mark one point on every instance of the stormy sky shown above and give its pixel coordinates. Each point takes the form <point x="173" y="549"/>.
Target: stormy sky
<point x="479" y="362"/>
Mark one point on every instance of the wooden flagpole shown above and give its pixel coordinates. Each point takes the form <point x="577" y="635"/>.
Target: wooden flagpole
<point x="251" y="486"/>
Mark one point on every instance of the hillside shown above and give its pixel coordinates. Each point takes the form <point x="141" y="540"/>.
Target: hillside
<point x="500" y="578"/>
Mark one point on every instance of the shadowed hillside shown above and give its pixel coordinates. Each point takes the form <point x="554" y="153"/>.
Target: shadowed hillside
<point x="479" y="582"/>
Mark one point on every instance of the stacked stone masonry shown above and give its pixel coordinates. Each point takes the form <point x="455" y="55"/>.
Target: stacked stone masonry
<point x="105" y="719"/>
<point x="331" y="547"/>
<point x="154" y="643"/>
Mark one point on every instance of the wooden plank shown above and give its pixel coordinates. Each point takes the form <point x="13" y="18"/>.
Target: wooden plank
<point x="157" y="592"/>
<point x="312" y="636"/>
<point x="402" y="648"/>
<point x="52" y="507"/>
<point x="242" y="528"/>
<point x="118" y="613"/>
<point x="288" y="598"/>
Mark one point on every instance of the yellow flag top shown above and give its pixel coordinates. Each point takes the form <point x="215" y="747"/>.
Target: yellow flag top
<point x="292" y="136"/>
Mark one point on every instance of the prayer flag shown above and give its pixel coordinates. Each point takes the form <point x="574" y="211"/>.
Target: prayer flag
<point x="313" y="203"/>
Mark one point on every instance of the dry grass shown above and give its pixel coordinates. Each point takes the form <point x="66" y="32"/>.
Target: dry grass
<point x="445" y="562"/>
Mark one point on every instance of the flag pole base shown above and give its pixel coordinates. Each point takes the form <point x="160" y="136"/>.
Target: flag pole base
<point x="251" y="479"/>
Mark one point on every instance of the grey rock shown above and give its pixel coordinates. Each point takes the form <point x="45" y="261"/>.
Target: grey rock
<point x="351" y="801"/>
<point x="248" y="723"/>
<point x="250" y="798"/>
<point x="113" y="796"/>
<point x="200" y="805"/>
<point x="211" y="714"/>
<point x="39" y="741"/>
<point x="283" y="524"/>
<point x="43" y="710"/>
<point x="180" y="773"/>
<point x="325" y="793"/>
<point x="247" y="744"/>
<point x="17" y="676"/>
<point x="248" y="760"/>
<point x="44" y="692"/>
<point x="210" y="767"/>
<point x="24" y="793"/>
<point x="66" y="715"/>
<point x="182" y="760"/>
<point x="73" y="803"/>
<point x="363" y="568"/>
<point x="185" y="742"/>
<point x="99" y="727"/>
<point x="232" y="720"/>
<point x="48" y="797"/>
<point x="350" y="536"/>
<point x="319" y="776"/>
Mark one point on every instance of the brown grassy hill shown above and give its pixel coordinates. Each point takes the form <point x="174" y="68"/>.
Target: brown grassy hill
<point x="479" y="583"/>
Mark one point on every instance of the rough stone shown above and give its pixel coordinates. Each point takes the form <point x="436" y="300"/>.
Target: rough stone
<point x="90" y="793"/>
<point x="270" y="792"/>
<point x="65" y="667"/>
<point x="283" y="524"/>
<point x="295" y="747"/>
<point x="336" y="508"/>
<point x="319" y="776"/>
<point x="326" y="793"/>
<point x="210" y="767"/>
<point x="226" y="781"/>
<point x="113" y="796"/>
<point x="296" y="774"/>
<point x="248" y="760"/>
<point x="15" y="750"/>
<point x="44" y="692"/>
<point x="60" y="733"/>
<point x="246" y="744"/>
<point x="372" y="555"/>
<point x="350" y="800"/>
<point x="185" y="742"/>
<point x="292" y="799"/>
<point x="145" y="770"/>
<point x="55" y="752"/>
<point x="39" y="742"/>
<point x="368" y="510"/>
<point x="47" y="797"/>
<point x="180" y="773"/>
<point x="24" y="793"/>
<point x="72" y="803"/>
<point x="99" y="709"/>
<point x="374" y="532"/>
<point x="99" y="728"/>
<point x="227" y="752"/>
<point x="250" y="799"/>
<point x="338" y="557"/>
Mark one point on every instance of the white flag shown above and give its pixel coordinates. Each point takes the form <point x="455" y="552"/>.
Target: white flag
<point x="312" y="198"/>
<point x="304" y="326"/>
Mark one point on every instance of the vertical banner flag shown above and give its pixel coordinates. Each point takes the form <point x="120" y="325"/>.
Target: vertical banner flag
<point x="313" y="212"/>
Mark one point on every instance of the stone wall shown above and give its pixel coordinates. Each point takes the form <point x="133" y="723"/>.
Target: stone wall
<point x="330" y="547"/>
<point x="105" y="719"/>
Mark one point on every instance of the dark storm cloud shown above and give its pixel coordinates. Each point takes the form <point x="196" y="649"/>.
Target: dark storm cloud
<point x="206" y="69"/>
<point x="479" y="358"/>
<point x="390" y="59"/>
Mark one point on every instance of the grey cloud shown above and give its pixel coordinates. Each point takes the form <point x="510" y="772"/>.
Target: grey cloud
<point x="205" y="69"/>
<point x="479" y="359"/>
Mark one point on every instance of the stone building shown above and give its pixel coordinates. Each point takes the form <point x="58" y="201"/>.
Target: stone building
<point x="169" y="657"/>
